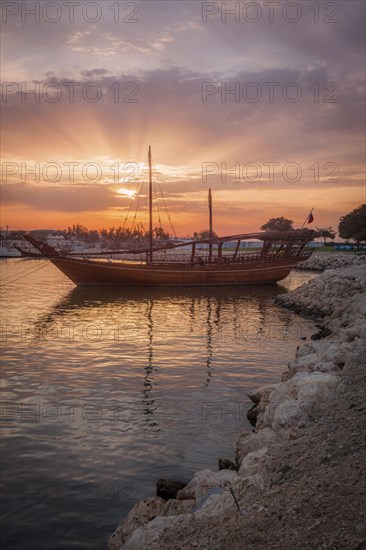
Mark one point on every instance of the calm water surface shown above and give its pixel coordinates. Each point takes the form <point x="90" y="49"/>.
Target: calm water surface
<point x="106" y="391"/>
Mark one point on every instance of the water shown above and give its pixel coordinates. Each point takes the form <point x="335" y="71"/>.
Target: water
<point x="106" y="391"/>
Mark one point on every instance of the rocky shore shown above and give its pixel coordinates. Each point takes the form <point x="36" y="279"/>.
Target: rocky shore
<point x="320" y="261"/>
<point x="297" y="481"/>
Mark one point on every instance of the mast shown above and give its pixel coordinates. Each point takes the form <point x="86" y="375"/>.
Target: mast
<point x="211" y="232"/>
<point x="150" y="256"/>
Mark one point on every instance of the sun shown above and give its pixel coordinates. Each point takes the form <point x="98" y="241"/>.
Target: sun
<point x="130" y="193"/>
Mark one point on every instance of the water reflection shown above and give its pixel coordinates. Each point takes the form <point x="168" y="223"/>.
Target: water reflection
<point x="150" y="361"/>
<point x="149" y="371"/>
<point x="194" y="297"/>
<point x="209" y="345"/>
<point x="94" y="296"/>
<point x="148" y="318"/>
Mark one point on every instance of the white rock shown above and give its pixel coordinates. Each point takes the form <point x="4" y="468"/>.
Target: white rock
<point x="204" y="481"/>
<point x="248" y="442"/>
<point x="258" y="462"/>
<point x="145" y="537"/>
<point x="261" y="393"/>
<point x="141" y="513"/>
<point x="175" y="507"/>
<point x="314" y="385"/>
<point x="322" y="261"/>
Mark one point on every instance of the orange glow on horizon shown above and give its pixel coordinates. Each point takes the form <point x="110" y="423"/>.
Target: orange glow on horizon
<point x="238" y="212"/>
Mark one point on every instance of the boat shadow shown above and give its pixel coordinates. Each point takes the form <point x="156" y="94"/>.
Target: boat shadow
<point x="101" y="296"/>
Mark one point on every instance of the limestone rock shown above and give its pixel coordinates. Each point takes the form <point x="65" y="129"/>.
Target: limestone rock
<point x="261" y="393"/>
<point x="260" y="399"/>
<point x="331" y="293"/>
<point x="204" y="481"/>
<point x="258" y="463"/>
<point x="292" y="401"/>
<point x="148" y="536"/>
<point x="174" y="507"/>
<point x="248" y="442"/>
<point x="143" y="512"/>
<point x="331" y="260"/>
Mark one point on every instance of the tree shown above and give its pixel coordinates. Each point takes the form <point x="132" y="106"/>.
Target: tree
<point x="116" y="236"/>
<point x="93" y="236"/>
<point x="77" y="231"/>
<point x="278" y="224"/>
<point x="325" y="233"/>
<point x="161" y="234"/>
<point x="353" y="225"/>
<point x="204" y="234"/>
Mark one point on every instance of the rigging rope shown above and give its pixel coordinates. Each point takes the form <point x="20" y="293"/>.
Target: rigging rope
<point x="45" y="264"/>
<point x="29" y="268"/>
<point x="167" y="211"/>
<point x="137" y="206"/>
<point x="139" y="192"/>
<point x="165" y="205"/>
<point x="157" y="205"/>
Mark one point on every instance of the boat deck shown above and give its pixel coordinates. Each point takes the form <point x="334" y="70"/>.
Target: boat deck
<point x="181" y="260"/>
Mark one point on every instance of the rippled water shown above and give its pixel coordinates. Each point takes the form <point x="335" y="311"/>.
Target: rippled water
<point x="106" y="391"/>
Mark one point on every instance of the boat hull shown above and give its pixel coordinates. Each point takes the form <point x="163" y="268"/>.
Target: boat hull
<point x="91" y="273"/>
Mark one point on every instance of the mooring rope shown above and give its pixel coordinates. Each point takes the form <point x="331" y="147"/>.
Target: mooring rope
<point x="23" y="274"/>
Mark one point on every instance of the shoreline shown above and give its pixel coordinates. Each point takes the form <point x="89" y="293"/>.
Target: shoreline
<point x="287" y="489"/>
<point x="321" y="261"/>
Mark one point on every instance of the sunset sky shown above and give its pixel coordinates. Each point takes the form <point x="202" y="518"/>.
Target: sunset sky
<point x="111" y="78"/>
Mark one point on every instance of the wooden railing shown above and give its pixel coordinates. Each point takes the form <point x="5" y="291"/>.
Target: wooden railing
<point x="247" y="257"/>
<point x="271" y="256"/>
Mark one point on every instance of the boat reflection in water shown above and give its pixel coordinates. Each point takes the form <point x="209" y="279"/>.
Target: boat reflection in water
<point x="162" y="328"/>
<point x="126" y="386"/>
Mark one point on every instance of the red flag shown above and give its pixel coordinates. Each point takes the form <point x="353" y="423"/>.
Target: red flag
<point x="310" y="218"/>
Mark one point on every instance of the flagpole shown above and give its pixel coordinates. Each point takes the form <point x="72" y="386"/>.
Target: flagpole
<point x="307" y="217"/>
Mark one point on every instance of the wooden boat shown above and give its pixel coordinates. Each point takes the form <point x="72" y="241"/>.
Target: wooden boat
<point x="207" y="263"/>
<point x="27" y="253"/>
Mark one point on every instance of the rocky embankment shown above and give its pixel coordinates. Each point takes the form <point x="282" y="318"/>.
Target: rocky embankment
<point x="320" y="261"/>
<point x="298" y="479"/>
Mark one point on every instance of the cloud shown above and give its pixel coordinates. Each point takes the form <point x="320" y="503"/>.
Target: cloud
<point x="68" y="198"/>
<point x="168" y="108"/>
<point x="76" y="37"/>
<point x="162" y="63"/>
<point x="94" y="74"/>
<point x="110" y="44"/>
